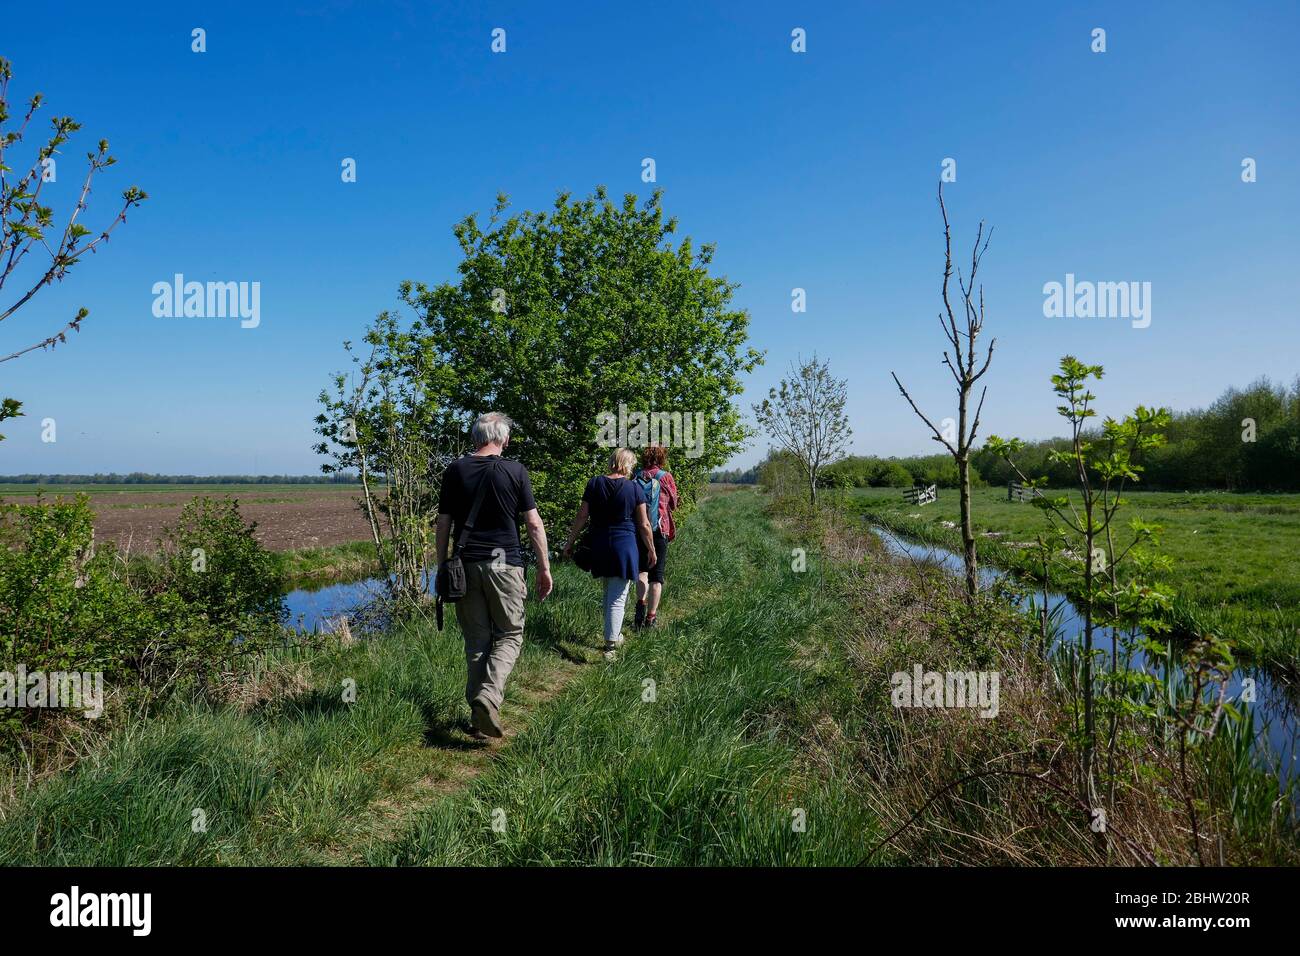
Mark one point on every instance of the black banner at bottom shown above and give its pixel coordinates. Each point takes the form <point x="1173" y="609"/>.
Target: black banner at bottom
<point x="334" y="905"/>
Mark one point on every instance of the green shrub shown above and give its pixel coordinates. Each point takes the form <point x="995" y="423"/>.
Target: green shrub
<point x="68" y="604"/>
<point x="211" y="560"/>
<point x="892" y="475"/>
<point x="61" y="605"/>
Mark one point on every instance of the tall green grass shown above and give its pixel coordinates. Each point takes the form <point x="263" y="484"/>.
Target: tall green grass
<point x="707" y="772"/>
<point x="704" y="773"/>
<point x="309" y="567"/>
<point x="289" y="781"/>
<point x="754" y="727"/>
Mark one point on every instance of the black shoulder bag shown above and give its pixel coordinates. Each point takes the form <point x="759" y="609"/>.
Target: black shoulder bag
<point x="450" y="584"/>
<point x="583" y="555"/>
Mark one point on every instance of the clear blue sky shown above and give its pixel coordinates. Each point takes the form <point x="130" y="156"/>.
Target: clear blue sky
<point x="814" y="170"/>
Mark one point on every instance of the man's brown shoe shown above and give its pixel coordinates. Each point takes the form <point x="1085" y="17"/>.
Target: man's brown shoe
<point x="484" y="718"/>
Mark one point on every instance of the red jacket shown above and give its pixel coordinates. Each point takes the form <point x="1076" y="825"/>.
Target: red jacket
<point x="667" y="500"/>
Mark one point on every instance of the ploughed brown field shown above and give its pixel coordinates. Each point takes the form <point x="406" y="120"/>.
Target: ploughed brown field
<point x="287" y="516"/>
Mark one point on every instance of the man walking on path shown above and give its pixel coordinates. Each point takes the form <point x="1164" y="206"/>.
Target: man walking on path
<point x="491" y="615"/>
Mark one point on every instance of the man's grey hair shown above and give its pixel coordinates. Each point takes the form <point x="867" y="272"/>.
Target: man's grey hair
<point x="491" y="428"/>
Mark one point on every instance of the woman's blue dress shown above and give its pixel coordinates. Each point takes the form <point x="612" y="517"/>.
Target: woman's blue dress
<point x="612" y="503"/>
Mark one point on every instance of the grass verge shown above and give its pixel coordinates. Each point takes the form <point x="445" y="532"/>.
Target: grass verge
<point x="314" y="567"/>
<point x="954" y="788"/>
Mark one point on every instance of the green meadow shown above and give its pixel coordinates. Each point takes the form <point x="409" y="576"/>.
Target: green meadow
<point x="1233" y="556"/>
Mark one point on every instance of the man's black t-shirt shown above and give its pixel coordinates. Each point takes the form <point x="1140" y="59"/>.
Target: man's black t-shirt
<point x="509" y="497"/>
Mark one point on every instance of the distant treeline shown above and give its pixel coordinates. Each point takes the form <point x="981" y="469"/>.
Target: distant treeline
<point x="735" y="476"/>
<point x="868" y="471"/>
<point x="141" y="478"/>
<point x="1248" y="440"/>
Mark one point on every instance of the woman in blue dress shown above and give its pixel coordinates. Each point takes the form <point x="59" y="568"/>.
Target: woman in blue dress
<point x="616" y="506"/>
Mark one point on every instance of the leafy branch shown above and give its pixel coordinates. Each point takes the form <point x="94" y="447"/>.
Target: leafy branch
<point x="27" y="224"/>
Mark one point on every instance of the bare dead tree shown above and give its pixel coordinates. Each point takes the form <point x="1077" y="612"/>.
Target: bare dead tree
<point x="962" y="359"/>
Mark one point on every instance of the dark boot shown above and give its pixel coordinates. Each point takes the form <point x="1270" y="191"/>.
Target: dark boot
<point x="484" y="718"/>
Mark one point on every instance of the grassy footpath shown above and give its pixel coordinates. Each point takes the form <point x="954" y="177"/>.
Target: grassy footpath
<point x="686" y="750"/>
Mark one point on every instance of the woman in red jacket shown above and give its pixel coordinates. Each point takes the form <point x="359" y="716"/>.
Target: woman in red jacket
<point x="661" y="497"/>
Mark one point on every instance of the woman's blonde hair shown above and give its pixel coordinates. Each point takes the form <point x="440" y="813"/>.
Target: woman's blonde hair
<point x="622" y="461"/>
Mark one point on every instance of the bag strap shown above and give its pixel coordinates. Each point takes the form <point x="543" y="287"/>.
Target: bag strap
<point x="479" y="495"/>
<point x="654" y="489"/>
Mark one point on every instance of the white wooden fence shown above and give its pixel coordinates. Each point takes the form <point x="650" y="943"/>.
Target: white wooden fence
<point x="1018" y="492"/>
<point x="921" y="495"/>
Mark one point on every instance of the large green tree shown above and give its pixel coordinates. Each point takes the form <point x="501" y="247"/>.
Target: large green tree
<point x="561" y="317"/>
